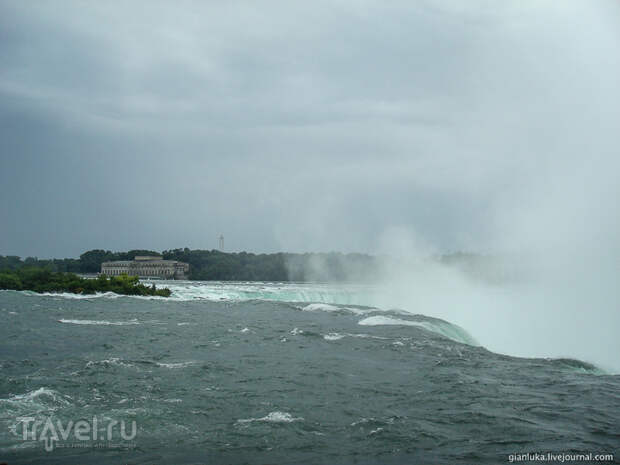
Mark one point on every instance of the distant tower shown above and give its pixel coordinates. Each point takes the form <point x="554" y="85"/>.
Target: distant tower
<point x="221" y="242"/>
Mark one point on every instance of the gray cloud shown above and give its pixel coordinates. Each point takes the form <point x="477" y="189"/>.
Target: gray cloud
<point x="304" y="127"/>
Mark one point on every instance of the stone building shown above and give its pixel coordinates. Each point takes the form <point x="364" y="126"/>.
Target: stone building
<point x="147" y="267"/>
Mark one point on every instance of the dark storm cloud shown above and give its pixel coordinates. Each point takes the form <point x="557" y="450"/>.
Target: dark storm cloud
<point x="298" y="126"/>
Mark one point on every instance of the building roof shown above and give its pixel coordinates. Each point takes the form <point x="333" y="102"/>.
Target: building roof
<point x="137" y="262"/>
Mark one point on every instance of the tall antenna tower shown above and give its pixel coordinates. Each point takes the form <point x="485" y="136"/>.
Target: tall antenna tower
<point x="221" y="242"/>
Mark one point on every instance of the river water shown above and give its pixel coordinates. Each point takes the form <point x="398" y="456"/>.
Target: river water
<point x="279" y="373"/>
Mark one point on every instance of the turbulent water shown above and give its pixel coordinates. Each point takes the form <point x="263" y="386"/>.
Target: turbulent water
<point x="279" y="373"/>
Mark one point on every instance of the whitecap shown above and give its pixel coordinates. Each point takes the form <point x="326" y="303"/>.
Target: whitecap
<point x="32" y="402"/>
<point x="35" y="395"/>
<point x="439" y="327"/>
<point x="175" y="365"/>
<point x="110" y="361"/>
<point x="337" y="336"/>
<point x="333" y="308"/>
<point x="363" y="421"/>
<point x="320" y="307"/>
<point x="100" y="322"/>
<point x="273" y="417"/>
<point x="71" y="295"/>
<point x="386" y="320"/>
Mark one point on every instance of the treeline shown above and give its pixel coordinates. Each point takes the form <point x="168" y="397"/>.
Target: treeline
<point x="220" y="266"/>
<point x="43" y="280"/>
<point x="89" y="262"/>
<point x="215" y="265"/>
<point x="243" y="266"/>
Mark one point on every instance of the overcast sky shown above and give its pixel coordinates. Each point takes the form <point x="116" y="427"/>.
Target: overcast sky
<point x="307" y="126"/>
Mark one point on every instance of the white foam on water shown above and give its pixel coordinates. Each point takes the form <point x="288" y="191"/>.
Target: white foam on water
<point x="386" y="320"/>
<point x="296" y="331"/>
<point x="242" y="291"/>
<point x="363" y="421"/>
<point x="366" y="336"/>
<point x="175" y="365"/>
<point x="338" y="336"/>
<point x="70" y="295"/>
<point x="442" y="328"/>
<point x="245" y="330"/>
<point x="31" y="403"/>
<point x="100" y="322"/>
<point x="283" y="292"/>
<point x="319" y="307"/>
<point x="110" y="361"/>
<point x="37" y="394"/>
<point x="273" y="417"/>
